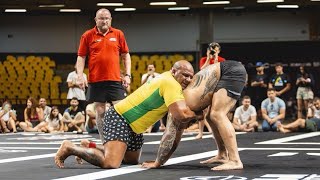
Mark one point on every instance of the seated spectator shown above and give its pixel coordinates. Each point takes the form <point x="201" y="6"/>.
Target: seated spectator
<point x="307" y="125"/>
<point x="73" y="117"/>
<point x="273" y="110"/>
<point x="245" y="116"/>
<point x="46" y="109"/>
<point x="33" y="115"/>
<point x="8" y="118"/>
<point x="53" y="123"/>
<point x="91" y="124"/>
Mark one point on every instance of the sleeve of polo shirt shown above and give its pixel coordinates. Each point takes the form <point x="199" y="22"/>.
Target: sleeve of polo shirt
<point x="123" y="43"/>
<point x="172" y="92"/>
<point x="83" y="46"/>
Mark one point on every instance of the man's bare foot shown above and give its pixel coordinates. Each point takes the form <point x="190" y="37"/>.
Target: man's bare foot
<point x="216" y="159"/>
<point x="280" y="128"/>
<point x="62" y="153"/>
<point x="230" y="165"/>
<point x="199" y="136"/>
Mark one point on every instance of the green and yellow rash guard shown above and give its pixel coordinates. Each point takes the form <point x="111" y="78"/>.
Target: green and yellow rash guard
<point x="150" y="102"/>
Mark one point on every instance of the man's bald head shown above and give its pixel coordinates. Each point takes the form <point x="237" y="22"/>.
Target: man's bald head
<point x="183" y="72"/>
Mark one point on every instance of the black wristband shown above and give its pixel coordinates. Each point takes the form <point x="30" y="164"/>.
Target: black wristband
<point x="128" y="75"/>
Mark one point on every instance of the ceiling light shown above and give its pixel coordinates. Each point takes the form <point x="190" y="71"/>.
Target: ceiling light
<point x="124" y="9"/>
<point x="315" y="0"/>
<point x="15" y="10"/>
<point x="269" y="1"/>
<point x="216" y="2"/>
<point x="51" y="5"/>
<point x="178" y="8"/>
<point x="287" y="6"/>
<point x="109" y="4"/>
<point x="163" y="3"/>
<point x="70" y="10"/>
<point x="234" y="7"/>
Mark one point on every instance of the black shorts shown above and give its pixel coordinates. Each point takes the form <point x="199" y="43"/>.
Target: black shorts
<point x="233" y="78"/>
<point x="116" y="128"/>
<point x="105" y="91"/>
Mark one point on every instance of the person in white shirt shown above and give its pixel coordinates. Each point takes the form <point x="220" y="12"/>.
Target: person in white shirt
<point x="150" y="74"/>
<point x="7" y="118"/>
<point x="75" y="90"/>
<point x="245" y="116"/>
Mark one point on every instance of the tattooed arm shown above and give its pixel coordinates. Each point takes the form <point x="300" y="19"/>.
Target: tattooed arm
<point x="168" y="144"/>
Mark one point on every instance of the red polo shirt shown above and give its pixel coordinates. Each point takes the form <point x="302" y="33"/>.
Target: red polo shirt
<point x="203" y="60"/>
<point x="103" y="53"/>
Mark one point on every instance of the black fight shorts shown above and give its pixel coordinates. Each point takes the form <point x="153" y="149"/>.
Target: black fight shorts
<point x="105" y="91"/>
<point x="116" y="128"/>
<point x="233" y="78"/>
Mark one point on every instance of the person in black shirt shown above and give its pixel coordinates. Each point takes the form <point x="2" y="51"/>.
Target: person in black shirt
<point x="259" y="84"/>
<point x="280" y="82"/>
<point x="73" y="117"/>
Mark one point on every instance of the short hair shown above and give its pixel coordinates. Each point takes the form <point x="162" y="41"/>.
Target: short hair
<point x="246" y="97"/>
<point x="315" y="99"/>
<point x="74" y="98"/>
<point x="279" y="64"/>
<point x="271" y="89"/>
<point x="215" y="44"/>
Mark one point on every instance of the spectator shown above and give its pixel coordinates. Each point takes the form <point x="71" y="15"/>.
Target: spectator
<point x="91" y="123"/>
<point x="33" y="115"/>
<point x="74" y="88"/>
<point x="280" y="82"/>
<point x="212" y="57"/>
<point x="54" y="122"/>
<point x="259" y="86"/>
<point x="103" y="44"/>
<point x="273" y="110"/>
<point x="8" y="118"/>
<point x="46" y="109"/>
<point x="245" y="117"/>
<point x="73" y="117"/>
<point x="151" y="74"/>
<point x="304" y="83"/>
<point x="307" y="125"/>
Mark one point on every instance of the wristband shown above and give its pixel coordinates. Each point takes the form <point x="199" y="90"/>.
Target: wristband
<point x="92" y="145"/>
<point x="128" y="75"/>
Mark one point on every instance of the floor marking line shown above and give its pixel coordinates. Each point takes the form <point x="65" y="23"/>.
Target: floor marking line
<point x="286" y="149"/>
<point x="27" y="158"/>
<point x="32" y="148"/>
<point x="313" y="154"/>
<point x="283" y="154"/>
<point x="290" y="138"/>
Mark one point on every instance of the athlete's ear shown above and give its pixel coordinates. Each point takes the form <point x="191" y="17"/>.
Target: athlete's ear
<point x="173" y="70"/>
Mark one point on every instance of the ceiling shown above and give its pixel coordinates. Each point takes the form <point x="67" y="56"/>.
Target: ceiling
<point x="143" y="5"/>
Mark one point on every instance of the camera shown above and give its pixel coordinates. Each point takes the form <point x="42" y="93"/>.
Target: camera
<point x="212" y="47"/>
